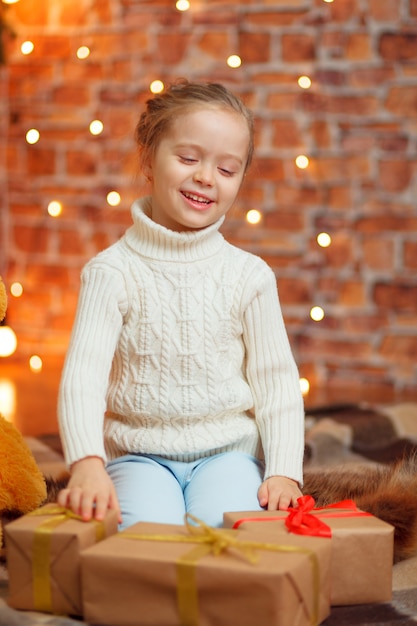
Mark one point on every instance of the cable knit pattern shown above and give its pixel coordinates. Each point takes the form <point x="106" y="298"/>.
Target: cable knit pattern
<point x="179" y="349"/>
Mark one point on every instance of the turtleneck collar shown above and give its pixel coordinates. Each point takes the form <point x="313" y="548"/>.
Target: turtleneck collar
<point x="154" y="241"/>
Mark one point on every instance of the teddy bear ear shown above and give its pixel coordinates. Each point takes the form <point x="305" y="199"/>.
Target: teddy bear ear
<point x="3" y="300"/>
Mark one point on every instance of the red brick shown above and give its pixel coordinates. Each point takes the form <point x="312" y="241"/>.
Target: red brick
<point x="395" y="175"/>
<point x="378" y="253"/>
<point x="359" y="46"/>
<point x="402" y="101"/>
<point x="281" y="220"/>
<point x="31" y="238"/>
<point x="399" y="348"/>
<point x="298" y="47"/>
<point x="397" y="297"/>
<point x="294" y="290"/>
<point x="268" y="169"/>
<point x="41" y="161"/>
<point x="410" y="254"/>
<point x="286" y="134"/>
<point x="215" y="44"/>
<point x="273" y="19"/>
<point x="386" y="223"/>
<point x="352" y="293"/>
<point x="172" y="47"/>
<point x="386" y="11"/>
<point x="350" y="349"/>
<point x="80" y="163"/>
<point x="398" y="46"/>
<point x="254" y="47"/>
<point x="71" y="95"/>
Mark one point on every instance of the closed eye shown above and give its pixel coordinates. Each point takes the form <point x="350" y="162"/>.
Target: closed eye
<point x="226" y="172"/>
<point x="185" y="159"/>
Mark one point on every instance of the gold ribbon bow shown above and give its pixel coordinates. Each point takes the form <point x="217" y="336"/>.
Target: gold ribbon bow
<point x="216" y="541"/>
<point x="41" y="551"/>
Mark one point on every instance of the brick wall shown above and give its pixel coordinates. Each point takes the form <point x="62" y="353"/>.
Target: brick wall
<point x="357" y="124"/>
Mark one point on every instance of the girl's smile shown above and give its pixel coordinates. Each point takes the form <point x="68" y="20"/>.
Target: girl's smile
<point x="198" y="168"/>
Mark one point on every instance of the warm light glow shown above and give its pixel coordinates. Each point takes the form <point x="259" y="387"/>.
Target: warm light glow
<point x="27" y="47"/>
<point x="54" y="208"/>
<point x="324" y="240"/>
<point x="113" y="198"/>
<point x="8" y="341"/>
<point x="83" y="52"/>
<point x="304" y="386"/>
<point x="302" y="161"/>
<point x="304" y="82"/>
<point x="328" y="1"/>
<point x="32" y="136"/>
<point x="10" y="1"/>
<point x="234" y="60"/>
<point x="182" y="5"/>
<point x="317" y="313"/>
<point x="156" y="86"/>
<point x="7" y="398"/>
<point x="96" y="127"/>
<point x="35" y="363"/>
<point x="253" y="216"/>
<point x="16" y="289"/>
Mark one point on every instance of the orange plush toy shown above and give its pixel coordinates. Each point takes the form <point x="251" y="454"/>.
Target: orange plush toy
<point x="22" y="485"/>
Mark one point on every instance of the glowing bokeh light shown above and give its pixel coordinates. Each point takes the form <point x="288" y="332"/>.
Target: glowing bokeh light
<point x="8" y="341"/>
<point x="304" y="82"/>
<point x="113" y="198"/>
<point x="234" y="61"/>
<point x="33" y="136"/>
<point x="16" y="289"/>
<point x="156" y="86"/>
<point x="182" y="5"/>
<point x="54" y="208"/>
<point x="302" y="161"/>
<point x="27" y="47"/>
<point x="317" y="313"/>
<point x="324" y="240"/>
<point x="304" y="386"/>
<point x="253" y="216"/>
<point x="83" y="52"/>
<point x="96" y="127"/>
<point x="35" y="363"/>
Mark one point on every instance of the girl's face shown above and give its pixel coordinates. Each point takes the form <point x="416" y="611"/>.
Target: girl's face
<point x="198" y="168"/>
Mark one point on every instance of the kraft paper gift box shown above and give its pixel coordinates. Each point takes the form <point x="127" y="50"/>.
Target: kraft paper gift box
<point x="43" y="558"/>
<point x="362" y="546"/>
<point x="171" y="575"/>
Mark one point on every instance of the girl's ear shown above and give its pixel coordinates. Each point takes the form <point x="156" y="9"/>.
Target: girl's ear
<point x="147" y="172"/>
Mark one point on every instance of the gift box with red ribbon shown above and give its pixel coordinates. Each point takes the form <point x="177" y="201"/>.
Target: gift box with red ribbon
<point x="362" y="545"/>
<point x="43" y="558"/>
<point x="195" y="575"/>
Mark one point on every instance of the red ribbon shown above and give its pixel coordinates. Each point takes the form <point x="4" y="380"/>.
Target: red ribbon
<point x="301" y="521"/>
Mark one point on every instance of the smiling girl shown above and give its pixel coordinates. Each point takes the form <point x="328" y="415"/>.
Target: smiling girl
<point x="179" y="391"/>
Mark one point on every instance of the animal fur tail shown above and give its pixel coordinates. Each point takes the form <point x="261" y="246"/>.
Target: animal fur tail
<point x="387" y="491"/>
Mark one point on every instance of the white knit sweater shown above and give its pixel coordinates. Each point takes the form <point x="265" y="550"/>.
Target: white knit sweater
<point x="179" y="349"/>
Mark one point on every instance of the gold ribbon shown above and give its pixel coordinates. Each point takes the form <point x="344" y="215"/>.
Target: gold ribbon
<point x="41" y="550"/>
<point x="216" y="541"/>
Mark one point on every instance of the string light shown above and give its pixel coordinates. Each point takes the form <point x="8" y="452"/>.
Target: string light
<point x="317" y="313"/>
<point x="304" y="82"/>
<point x="10" y="1"/>
<point x="32" y="136"/>
<point x="8" y="341"/>
<point x="302" y="162"/>
<point x="234" y="61"/>
<point x="35" y="363"/>
<point x="324" y="240"/>
<point x="156" y="86"/>
<point x="54" y="208"/>
<point x="96" y="127"/>
<point x="113" y="198"/>
<point x="27" y="47"/>
<point x="7" y="398"/>
<point x="16" y="289"/>
<point x="83" y="52"/>
<point x="182" y="5"/>
<point x="304" y="386"/>
<point x="328" y="1"/>
<point x="253" y="216"/>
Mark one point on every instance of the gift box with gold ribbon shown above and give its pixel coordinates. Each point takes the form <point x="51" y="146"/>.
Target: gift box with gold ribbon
<point x="362" y="545"/>
<point x="195" y="575"/>
<point x="43" y="558"/>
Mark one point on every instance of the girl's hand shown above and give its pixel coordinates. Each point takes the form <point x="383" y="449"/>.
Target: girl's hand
<point x="277" y="493"/>
<point x="90" y="491"/>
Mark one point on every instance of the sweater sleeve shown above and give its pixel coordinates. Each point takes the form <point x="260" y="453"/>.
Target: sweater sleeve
<point x="274" y="380"/>
<point x="84" y="381"/>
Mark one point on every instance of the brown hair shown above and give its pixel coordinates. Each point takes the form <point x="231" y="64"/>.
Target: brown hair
<point x="163" y="109"/>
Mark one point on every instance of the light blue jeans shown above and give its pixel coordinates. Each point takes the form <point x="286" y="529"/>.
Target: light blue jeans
<point x="153" y="489"/>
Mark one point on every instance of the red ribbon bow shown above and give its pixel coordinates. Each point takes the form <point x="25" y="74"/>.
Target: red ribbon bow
<point x="301" y="522"/>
